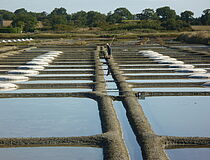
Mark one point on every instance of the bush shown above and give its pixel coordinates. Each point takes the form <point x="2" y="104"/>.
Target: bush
<point x="143" y="24"/>
<point x="10" y="30"/>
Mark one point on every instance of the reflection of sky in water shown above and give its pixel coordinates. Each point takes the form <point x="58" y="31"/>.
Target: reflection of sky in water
<point x="149" y="65"/>
<point x="69" y="66"/>
<point x="128" y="135"/>
<point x="189" y="154"/>
<point x="158" y="69"/>
<point x="51" y="153"/>
<point x="167" y="80"/>
<point x="69" y="69"/>
<point x="57" y="75"/>
<point x="173" y="89"/>
<point x="157" y="74"/>
<point x="48" y="90"/>
<point x="44" y="117"/>
<point x="56" y="81"/>
<point x="178" y="116"/>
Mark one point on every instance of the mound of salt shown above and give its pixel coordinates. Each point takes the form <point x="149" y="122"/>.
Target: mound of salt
<point x="191" y="70"/>
<point x="181" y="66"/>
<point x="31" y="67"/>
<point x="205" y="76"/>
<point x="39" y="63"/>
<point x="159" y="57"/>
<point x="13" y="78"/>
<point x="207" y="84"/>
<point x="42" y="60"/>
<point x="47" y="56"/>
<point x="24" y="72"/>
<point x="169" y="61"/>
<point x="55" y="52"/>
<point x="8" y="86"/>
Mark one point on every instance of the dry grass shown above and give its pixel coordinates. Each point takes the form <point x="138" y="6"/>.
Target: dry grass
<point x="201" y="28"/>
<point x="196" y="37"/>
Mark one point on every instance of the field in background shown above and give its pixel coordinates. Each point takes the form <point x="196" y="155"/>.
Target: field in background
<point x="201" y="28"/>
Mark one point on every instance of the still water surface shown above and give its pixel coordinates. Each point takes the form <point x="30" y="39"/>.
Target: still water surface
<point x="178" y="116"/>
<point x="189" y="154"/>
<point x="45" y="117"/>
<point x="51" y="153"/>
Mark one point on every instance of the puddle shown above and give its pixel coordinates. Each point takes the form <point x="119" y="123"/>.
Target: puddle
<point x="46" y="117"/>
<point x="189" y="154"/>
<point x="51" y="153"/>
<point x="178" y="116"/>
<point x="129" y="137"/>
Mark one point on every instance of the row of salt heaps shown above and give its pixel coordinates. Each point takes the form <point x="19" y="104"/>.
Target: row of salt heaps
<point x="22" y="73"/>
<point x="179" y="66"/>
<point x="16" y="40"/>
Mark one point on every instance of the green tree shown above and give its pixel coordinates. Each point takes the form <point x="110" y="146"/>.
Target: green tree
<point x="21" y="11"/>
<point x="95" y="19"/>
<point x="147" y="14"/>
<point x="59" y="11"/>
<point x="187" y="16"/>
<point x="165" y="13"/>
<point x="57" y="20"/>
<point x="6" y="15"/>
<point x="119" y="15"/>
<point x="57" y="17"/>
<point x="25" y="21"/>
<point x="205" y="18"/>
<point x="79" y="18"/>
<point x="172" y="24"/>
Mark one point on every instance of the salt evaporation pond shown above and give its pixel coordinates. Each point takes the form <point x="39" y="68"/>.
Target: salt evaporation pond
<point x="46" y="117"/>
<point x="48" y="90"/>
<point x="52" y="153"/>
<point x="167" y="80"/>
<point x="189" y="154"/>
<point x="55" y="81"/>
<point x="173" y="89"/>
<point x="178" y="116"/>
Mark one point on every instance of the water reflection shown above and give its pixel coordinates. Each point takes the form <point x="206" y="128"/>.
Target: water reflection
<point x="44" y="117"/>
<point x="178" y="116"/>
<point x="189" y="154"/>
<point x="130" y="138"/>
<point x="51" y="153"/>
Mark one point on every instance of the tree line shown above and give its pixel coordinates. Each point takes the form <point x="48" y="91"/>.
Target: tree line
<point x="163" y="18"/>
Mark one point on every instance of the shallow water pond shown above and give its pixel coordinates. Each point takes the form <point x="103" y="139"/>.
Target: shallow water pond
<point x="55" y="81"/>
<point x="51" y="153"/>
<point x="48" y="90"/>
<point x="178" y="116"/>
<point x="44" y="117"/>
<point x="189" y="154"/>
<point x="167" y="80"/>
<point x="173" y="89"/>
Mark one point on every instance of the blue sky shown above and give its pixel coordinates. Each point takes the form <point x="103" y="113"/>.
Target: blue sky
<point x="104" y="6"/>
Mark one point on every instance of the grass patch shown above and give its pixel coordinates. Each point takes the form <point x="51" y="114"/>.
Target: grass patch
<point x="195" y="37"/>
<point x="201" y="28"/>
